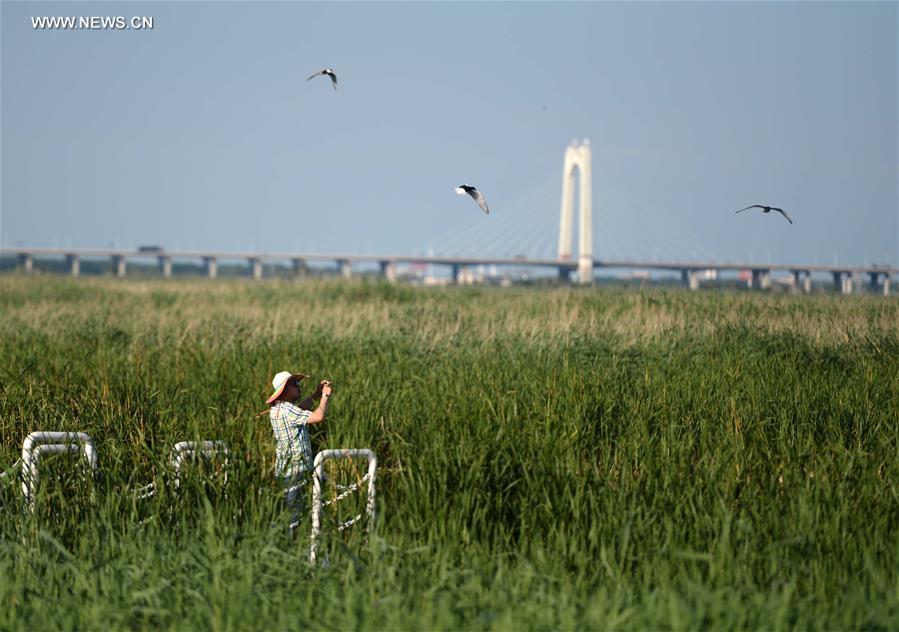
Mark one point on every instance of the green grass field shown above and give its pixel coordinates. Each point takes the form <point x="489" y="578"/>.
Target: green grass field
<point x="549" y="459"/>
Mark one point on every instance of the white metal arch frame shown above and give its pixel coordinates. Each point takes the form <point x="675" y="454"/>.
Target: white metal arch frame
<point x="186" y="450"/>
<point x="39" y="443"/>
<point x="345" y="453"/>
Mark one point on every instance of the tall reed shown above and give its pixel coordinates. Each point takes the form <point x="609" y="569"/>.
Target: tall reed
<point x="549" y="458"/>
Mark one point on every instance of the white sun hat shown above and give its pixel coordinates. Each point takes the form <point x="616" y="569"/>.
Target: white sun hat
<point x="280" y="381"/>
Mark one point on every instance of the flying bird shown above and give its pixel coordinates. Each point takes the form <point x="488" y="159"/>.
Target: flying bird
<point x="462" y="189"/>
<point x="326" y="71"/>
<point x="766" y="209"/>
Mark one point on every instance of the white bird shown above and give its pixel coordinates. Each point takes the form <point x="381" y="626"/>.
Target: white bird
<point x="326" y="71"/>
<point x="766" y="209"/>
<point x="462" y="189"/>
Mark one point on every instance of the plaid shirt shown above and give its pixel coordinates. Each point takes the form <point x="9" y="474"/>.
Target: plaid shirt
<point x="293" y="455"/>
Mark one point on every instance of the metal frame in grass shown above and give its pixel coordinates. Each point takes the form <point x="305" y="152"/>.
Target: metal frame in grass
<point x="344" y="453"/>
<point x="185" y="450"/>
<point x="41" y="442"/>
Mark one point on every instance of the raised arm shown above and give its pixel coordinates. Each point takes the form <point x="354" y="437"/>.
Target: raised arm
<point x="307" y="403"/>
<point x="318" y="415"/>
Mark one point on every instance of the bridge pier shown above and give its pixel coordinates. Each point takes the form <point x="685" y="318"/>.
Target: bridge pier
<point x="165" y="266"/>
<point x="842" y="282"/>
<point x="802" y="281"/>
<point x="210" y="264"/>
<point x="388" y="270"/>
<point x="345" y="268"/>
<point x="690" y="279"/>
<point x="74" y="264"/>
<point x="299" y="267"/>
<point x="255" y="264"/>
<point x="118" y="265"/>
<point x="873" y="281"/>
<point x="879" y="282"/>
<point x="457" y="271"/>
<point x="761" y="279"/>
<point x="27" y="262"/>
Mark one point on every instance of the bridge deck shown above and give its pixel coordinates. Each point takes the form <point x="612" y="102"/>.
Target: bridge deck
<point x="570" y="265"/>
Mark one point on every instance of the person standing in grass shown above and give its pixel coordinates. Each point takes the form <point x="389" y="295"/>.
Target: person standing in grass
<point x="290" y="423"/>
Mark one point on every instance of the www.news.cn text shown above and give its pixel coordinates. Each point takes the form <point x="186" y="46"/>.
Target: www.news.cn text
<point x="93" y="23"/>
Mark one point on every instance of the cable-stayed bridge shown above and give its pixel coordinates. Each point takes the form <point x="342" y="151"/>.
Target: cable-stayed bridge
<point x="523" y="236"/>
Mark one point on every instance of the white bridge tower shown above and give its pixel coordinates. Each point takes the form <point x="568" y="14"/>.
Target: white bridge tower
<point x="577" y="156"/>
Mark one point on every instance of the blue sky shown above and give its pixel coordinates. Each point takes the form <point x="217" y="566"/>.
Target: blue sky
<point x="202" y="132"/>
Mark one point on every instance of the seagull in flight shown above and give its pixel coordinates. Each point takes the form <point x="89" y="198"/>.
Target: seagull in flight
<point x="462" y="189"/>
<point x="766" y="209"/>
<point x="326" y="71"/>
